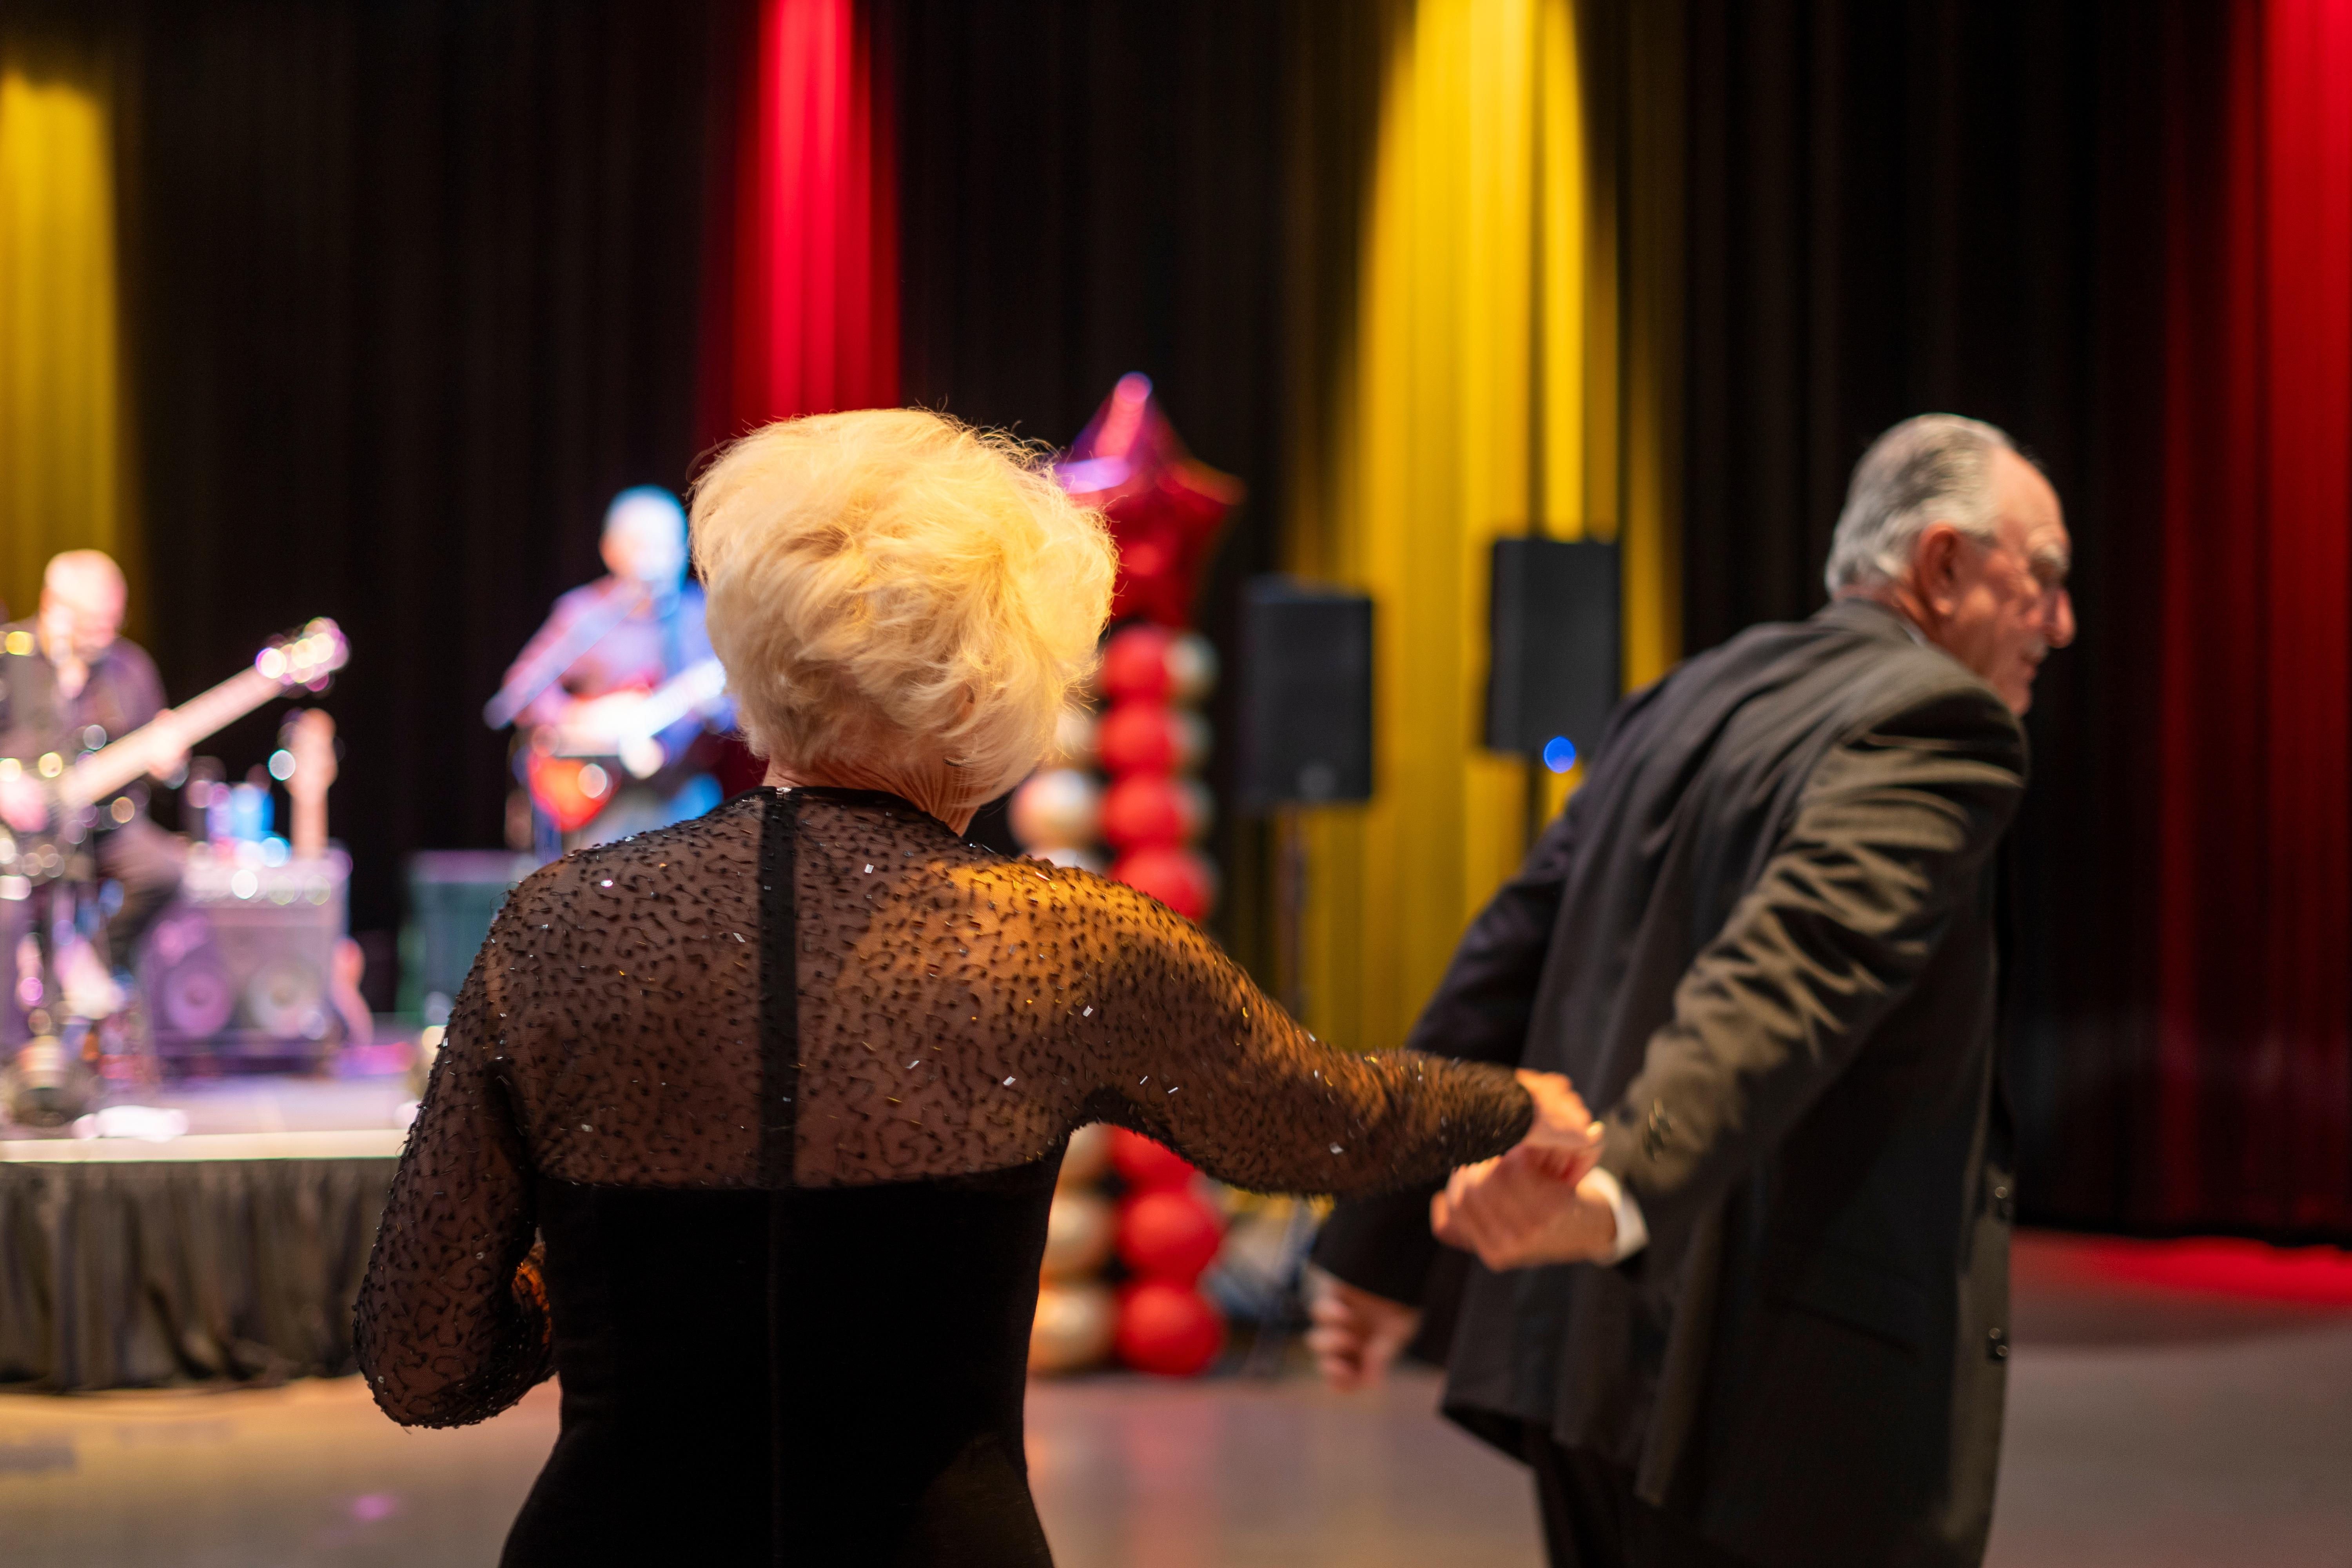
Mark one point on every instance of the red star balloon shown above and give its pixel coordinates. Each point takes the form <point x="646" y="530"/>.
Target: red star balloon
<point x="1165" y="508"/>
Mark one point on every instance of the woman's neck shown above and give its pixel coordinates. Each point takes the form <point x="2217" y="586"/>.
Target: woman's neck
<point x="930" y="788"/>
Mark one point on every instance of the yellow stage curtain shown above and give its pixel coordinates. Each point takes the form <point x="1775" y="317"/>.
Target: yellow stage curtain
<point x="61" y="437"/>
<point x="1496" y="377"/>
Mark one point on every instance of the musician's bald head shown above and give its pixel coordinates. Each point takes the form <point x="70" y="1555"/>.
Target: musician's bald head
<point x="644" y="537"/>
<point x="82" y="595"/>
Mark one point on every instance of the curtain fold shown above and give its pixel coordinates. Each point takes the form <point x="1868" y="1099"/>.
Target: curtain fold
<point x="131" y="1275"/>
<point x="62" y="474"/>
<point x="813" y="306"/>
<point x="1479" y="388"/>
<point x="2254" y="924"/>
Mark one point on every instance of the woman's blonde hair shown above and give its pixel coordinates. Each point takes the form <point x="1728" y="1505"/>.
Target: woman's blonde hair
<point x="891" y="586"/>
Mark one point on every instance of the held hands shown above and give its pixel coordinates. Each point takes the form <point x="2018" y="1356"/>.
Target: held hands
<point x="1515" y="1213"/>
<point x="1564" y="1139"/>
<point x="1526" y="1207"/>
<point x="1531" y="1206"/>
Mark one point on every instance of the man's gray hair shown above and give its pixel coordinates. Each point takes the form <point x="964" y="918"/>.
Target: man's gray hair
<point x="1932" y="468"/>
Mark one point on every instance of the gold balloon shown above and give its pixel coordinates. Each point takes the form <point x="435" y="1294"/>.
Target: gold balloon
<point x="1079" y="1230"/>
<point x="1072" y="1329"/>
<point x="1088" y="1158"/>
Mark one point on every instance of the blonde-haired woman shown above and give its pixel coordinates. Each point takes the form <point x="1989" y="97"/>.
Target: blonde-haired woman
<point x="784" y="1090"/>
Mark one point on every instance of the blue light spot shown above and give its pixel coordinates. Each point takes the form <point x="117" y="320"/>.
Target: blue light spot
<point x="1559" y="754"/>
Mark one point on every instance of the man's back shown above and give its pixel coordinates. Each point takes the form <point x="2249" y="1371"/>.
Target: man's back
<point x="1761" y="937"/>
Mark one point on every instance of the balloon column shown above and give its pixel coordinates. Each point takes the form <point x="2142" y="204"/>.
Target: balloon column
<point x="1165" y="510"/>
<point x="1168" y="1236"/>
<point x="1159" y="1234"/>
<point x="1152" y="742"/>
<point x="1076" y="1313"/>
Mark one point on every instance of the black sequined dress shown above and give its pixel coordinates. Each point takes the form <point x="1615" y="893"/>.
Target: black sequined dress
<point x="783" y="1091"/>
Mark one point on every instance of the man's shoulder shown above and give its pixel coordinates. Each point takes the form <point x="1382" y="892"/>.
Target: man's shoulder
<point x="576" y="601"/>
<point x="129" y="656"/>
<point x="1854" y="663"/>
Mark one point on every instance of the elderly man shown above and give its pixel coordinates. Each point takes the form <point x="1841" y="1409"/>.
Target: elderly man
<point x="1771" y="1327"/>
<point x="70" y="682"/>
<point x="626" y="633"/>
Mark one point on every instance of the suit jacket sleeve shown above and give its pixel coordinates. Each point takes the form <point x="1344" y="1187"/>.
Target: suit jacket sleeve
<point x="1889" y="838"/>
<point x="1480" y="1011"/>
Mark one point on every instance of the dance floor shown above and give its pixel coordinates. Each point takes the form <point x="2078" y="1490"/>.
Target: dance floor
<point x="2168" y="1408"/>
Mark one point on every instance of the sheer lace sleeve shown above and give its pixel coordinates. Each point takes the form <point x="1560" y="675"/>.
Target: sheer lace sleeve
<point x="452" y="1322"/>
<point x="1201" y="1059"/>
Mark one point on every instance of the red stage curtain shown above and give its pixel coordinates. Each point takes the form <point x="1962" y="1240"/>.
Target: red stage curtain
<point x="808" y="322"/>
<point x="2254" y="857"/>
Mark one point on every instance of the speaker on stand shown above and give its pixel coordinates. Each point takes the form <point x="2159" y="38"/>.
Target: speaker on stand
<point x="1305" y="730"/>
<point x="1556" y="637"/>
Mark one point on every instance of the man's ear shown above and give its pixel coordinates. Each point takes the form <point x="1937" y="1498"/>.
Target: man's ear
<point x="1935" y="567"/>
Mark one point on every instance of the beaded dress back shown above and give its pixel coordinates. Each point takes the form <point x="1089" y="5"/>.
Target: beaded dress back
<point x="784" y="1090"/>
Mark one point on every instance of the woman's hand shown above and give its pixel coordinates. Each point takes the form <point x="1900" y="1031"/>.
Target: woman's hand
<point x="1565" y="1140"/>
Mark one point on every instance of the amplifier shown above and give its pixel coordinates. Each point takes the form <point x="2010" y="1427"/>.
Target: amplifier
<point x="242" y="965"/>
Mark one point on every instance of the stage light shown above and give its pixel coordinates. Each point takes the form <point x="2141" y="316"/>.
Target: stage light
<point x="281" y="764"/>
<point x="1559" y="754"/>
<point x="271" y="662"/>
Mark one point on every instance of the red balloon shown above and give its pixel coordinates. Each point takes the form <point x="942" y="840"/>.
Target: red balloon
<point x="1168" y="1329"/>
<point x="1172" y="1233"/>
<point x="1139" y="738"/>
<point x="1135" y="664"/>
<point x="1152" y="738"/>
<point x="1182" y="878"/>
<point x="1146" y="1165"/>
<point x="1152" y="808"/>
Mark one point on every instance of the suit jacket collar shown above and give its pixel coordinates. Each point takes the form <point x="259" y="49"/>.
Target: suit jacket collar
<point x="1870" y="618"/>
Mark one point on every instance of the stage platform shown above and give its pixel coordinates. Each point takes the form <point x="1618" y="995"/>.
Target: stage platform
<point x="230" y="1252"/>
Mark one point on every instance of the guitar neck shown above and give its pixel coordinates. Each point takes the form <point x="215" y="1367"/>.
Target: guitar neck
<point x="697" y="686"/>
<point x="102" y="773"/>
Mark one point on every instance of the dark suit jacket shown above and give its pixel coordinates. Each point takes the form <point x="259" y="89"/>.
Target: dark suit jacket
<point x="1760" y="941"/>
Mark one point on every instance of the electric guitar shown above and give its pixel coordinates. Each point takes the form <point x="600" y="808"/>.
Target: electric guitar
<point x="567" y="770"/>
<point x="304" y="659"/>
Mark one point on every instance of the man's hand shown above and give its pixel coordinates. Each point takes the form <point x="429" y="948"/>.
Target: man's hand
<point x="1356" y="1334"/>
<point x="1563" y="1138"/>
<point x="1515" y="1211"/>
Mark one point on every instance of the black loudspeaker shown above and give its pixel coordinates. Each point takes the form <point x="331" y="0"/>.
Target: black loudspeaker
<point x="1556" y="641"/>
<point x="1306" y="698"/>
<point x="453" y="897"/>
<point x="242" y="965"/>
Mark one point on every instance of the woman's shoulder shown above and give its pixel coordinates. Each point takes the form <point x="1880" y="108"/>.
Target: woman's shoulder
<point x="695" y="854"/>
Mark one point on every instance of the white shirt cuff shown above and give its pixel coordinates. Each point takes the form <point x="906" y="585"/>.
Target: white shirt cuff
<point x="1632" y="1231"/>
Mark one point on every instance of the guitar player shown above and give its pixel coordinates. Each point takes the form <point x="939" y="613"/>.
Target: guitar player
<point x="69" y="682"/>
<point x="625" y="633"/>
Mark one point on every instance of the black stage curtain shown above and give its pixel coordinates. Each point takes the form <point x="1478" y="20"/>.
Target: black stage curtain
<point x="413" y="289"/>
<point x="1087" y="190"/>
<point x="1898" y="205"/>
<point x="131" y="1275"/>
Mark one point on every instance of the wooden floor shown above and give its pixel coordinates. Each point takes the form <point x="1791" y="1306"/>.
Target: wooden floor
<point x="2152" y="1424"/>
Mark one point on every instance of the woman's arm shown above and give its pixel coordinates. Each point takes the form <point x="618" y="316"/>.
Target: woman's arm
<point x="1197" y="1057"/>
<point x="452" y="1319"/>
